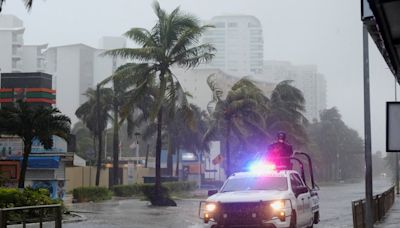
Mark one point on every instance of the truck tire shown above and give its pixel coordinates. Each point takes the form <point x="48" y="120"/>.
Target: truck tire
<point x="316" y="217"/>
<point x="293" y="220"/>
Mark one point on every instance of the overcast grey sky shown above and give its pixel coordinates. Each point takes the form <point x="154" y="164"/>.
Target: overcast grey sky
<point x="327" y="33"/>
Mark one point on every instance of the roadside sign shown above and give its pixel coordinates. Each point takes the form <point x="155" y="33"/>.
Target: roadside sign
<point x="393" y="126"/>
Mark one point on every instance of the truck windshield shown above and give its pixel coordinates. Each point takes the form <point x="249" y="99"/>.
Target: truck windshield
<point x="256" y="183"/>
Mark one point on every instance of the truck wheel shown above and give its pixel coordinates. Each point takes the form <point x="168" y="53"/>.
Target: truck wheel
<point x="293" y="220"/>
<point x="316" y="217"/>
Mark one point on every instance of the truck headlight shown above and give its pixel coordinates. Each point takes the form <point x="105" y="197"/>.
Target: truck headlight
<point x="278" y="205"/>
<point x="281" y="208"/>
<point x="211" y="207"/>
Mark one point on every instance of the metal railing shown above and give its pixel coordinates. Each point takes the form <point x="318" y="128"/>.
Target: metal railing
<point x="381" y="205"/>
<point x="31" y="214"/>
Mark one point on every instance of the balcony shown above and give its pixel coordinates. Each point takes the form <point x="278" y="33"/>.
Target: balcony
<point x="16" y="65"/>
<point x="17" y="40"/>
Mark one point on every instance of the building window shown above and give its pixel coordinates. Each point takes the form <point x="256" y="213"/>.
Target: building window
<point x="219" y="25"/>
<point x="232" y="25"/>
<point x="253" y="25"/>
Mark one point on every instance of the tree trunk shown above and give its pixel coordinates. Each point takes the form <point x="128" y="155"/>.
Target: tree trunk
<point x="99" y="158"/>
<point x="158" y="156"/>
<point x="27" y="151"/>
<point x="94" y="151"/>
<point x="116" y="146"/>
<point x="147" y="155"/>
<point x="170" y="156"/>
<point x="228" y="152"/>
<point x="99" y="136"/>
<point x="177" y="161"/>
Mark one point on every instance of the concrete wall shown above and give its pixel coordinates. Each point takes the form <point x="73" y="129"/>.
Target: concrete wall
<point x="86" y="176"/>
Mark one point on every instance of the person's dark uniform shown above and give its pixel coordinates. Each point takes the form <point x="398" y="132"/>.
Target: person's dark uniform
<point x="280" y="151"/>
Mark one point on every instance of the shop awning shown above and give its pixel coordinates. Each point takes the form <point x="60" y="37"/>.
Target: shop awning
<point x="49" y="162"/>
<point x="382" y="18"/>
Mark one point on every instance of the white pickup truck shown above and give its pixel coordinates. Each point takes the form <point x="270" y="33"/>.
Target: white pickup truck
<point x="262" y="199"/>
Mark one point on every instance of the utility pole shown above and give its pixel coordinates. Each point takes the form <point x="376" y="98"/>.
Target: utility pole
<point x="368" y="217"/>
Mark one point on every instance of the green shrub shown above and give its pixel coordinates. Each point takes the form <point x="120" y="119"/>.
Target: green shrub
<point x="181" y="186"/>
<point x="148" y="189"/>
<point x="87" y="194"/>
<point x="12" y="197"/>
<point x="127" y="190"/>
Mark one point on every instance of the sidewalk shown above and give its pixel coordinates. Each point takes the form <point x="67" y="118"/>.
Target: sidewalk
<point x="392" y="220"/>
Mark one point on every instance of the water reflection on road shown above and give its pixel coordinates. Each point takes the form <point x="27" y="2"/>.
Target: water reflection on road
<point x="335" y="210"/>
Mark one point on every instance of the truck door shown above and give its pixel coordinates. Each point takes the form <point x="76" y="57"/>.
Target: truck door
<point x="304" y="213"/>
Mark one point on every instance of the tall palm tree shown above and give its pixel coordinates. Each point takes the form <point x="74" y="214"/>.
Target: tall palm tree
<point x="96" y="121"/>
<point x="287" y="105"/>
<point x="126" y="106"/>
<point x="33" y="122"/>
<point x="84" y="142"/>
<point x="186" y="133"/>
<point x="242" y="112"/>
<point x="173" y="40"/>
<point x="28" y="4"/>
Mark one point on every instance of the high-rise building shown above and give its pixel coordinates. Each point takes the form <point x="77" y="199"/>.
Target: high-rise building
<point x="11" y="42"/>
<point x="33" y="58"/>
<point x="72" y="67"/>
<point x="239" y="43"/>
<point x="78" y="67"/>
<point x="304" y="77"/>
<point x="104" y="66"/>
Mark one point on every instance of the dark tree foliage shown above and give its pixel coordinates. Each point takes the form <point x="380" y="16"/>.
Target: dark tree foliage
<point x="337" y="149"/>
<point x="33" y="122"/>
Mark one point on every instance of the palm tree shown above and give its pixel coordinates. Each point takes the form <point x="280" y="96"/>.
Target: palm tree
<point x="186" y="133"/>
<point x="96" y="120"/>
<point x="28" y="4"/>
<point x="172" y="41"/>
<point x="84" y="142"/>
<point x="33" y="122"/>
<point x="242" y="112"/>
<point x="287" y="105"/>
<point x="126" y="106"/>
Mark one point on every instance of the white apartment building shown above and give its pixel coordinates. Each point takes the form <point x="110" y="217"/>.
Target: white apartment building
<point x="304" y="77"/>
<point x="11" y="43"/>
<point x="239" y="43"/>
<point x="104" y="66"/>
<point x="72" y="69"/>
<point x="78" y="67"/>
<point x="33" y="58"/>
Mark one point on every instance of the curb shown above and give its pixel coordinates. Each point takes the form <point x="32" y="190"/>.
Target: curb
<point x="75" y="220"/>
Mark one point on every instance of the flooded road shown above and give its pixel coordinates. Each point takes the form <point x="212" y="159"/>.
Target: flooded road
<point x="335" y="203"/>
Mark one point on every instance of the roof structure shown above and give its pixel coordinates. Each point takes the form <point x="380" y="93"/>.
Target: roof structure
<point x="382" y="18"/>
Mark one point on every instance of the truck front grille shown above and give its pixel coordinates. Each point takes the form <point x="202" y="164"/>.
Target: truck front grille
<point x="243" y="214"/>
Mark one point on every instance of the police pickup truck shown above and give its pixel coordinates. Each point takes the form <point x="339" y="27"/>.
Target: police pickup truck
<point x="263" y="197"/>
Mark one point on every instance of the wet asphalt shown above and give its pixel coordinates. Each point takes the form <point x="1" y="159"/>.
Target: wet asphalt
<point x="335" y="209"/>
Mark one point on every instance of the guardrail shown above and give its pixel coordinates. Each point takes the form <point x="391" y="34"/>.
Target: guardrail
<point x="31" y="214"/>
<point x="380" y="205"/>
